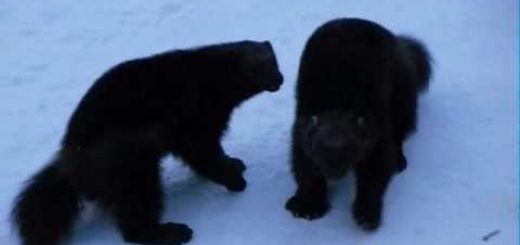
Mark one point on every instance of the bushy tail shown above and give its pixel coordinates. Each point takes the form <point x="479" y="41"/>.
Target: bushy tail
<point x="420" y="58"/>
<point x="45" y="210"/>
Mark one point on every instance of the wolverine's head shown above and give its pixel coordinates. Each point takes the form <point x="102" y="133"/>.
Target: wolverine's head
<point x="260" y="65"/>
<point x="337" y="140"/>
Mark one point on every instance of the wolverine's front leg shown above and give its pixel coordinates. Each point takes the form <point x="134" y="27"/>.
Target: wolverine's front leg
<point x="208" y="159"/>
<point x="373" y="177"/>
<point x="310" y="200"/>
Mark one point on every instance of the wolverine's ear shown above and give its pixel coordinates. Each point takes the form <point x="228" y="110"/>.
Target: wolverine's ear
<point x="259" y="53"/>
<point x="268" y="45"/>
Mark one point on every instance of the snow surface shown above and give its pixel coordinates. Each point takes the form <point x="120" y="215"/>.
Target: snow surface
<point x="462" y="179"/>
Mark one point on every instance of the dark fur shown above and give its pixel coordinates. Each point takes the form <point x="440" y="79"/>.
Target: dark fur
<point x="356" y="102"/>
<point x="177" y="102"/>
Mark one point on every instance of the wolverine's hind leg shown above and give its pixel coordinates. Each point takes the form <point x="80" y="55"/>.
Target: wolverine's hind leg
<point x="138" y="205"/>
<point x="404" y="103"/>
<point x="133" y="192"/>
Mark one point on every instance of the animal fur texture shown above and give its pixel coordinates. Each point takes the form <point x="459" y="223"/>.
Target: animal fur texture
<point x="356" y="100"/>
<point x="177" y="102"/>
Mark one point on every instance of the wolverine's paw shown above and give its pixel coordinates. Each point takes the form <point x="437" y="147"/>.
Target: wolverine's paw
<point x="236" y="163"/>
<point x="367" y="215"/>
<point x="231" y="174"/>
<point x="177" y="233"/>
<point x="307" y="207"/>
<point x="235" y="183"/>
<point x="167" y="234"/>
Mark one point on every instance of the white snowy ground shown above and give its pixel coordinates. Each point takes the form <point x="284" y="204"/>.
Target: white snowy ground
<point x="462" y="179"/>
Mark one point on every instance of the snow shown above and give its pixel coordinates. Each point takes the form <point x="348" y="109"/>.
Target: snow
<point x="462" y="179"/>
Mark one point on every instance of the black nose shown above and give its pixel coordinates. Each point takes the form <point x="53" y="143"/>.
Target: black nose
<point x="279" y="79"/>
<point x="334" y="143"/>
<point x="276" y="83"/>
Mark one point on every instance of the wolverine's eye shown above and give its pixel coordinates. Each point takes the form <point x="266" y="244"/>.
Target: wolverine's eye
<point x="361" y="121"/>
<point x="314" y="121"/>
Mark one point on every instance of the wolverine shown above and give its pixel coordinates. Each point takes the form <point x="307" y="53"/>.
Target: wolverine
<point x="178" y="102"/>
<point x="356" y="102"/>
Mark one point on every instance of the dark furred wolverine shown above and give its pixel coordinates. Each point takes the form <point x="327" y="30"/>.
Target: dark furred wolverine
<point x="356" y="103"/>
<point x="177" y="102"/>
